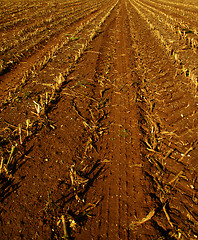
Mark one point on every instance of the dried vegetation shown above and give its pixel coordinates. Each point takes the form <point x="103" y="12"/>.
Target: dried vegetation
<point x="24" y="34"/>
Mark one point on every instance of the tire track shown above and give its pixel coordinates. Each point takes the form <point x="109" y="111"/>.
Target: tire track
<point x="123" y="185"/>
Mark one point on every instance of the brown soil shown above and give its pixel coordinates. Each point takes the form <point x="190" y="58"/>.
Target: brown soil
<point x="112" y="154"/>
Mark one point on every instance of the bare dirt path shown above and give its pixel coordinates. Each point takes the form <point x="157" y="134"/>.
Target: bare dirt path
<point x="124" y="185"/>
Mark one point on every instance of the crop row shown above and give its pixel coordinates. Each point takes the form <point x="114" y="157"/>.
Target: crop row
<point x="49" y="13"/>
<point x="159" y="139"/>
<point x="25" y="41"/>
<point x="189" y="15"/>
<point x="15" y="135"/>
<point x="39" y="28"/>
<point x="191" y="5"/>
<point x="175" y="23"/>
<point x="19" y="10"/>
<point x="178" y="37"/>
<point x="65" y="40"/>
<point x="12" y="140"/>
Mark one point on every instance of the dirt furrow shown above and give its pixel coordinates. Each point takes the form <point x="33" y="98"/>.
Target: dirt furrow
<point x="69" y="145"/>
<point x="164" y="90"/>
<point x="124" y="184"/>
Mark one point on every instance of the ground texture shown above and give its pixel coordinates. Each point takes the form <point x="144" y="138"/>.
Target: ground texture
<point x="98" y="116"/>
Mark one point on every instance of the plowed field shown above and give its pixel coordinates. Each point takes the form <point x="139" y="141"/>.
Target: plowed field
<point x="98" y="119"/>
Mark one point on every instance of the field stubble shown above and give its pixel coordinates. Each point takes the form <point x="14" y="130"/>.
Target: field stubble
<point x="98" y="120"/>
